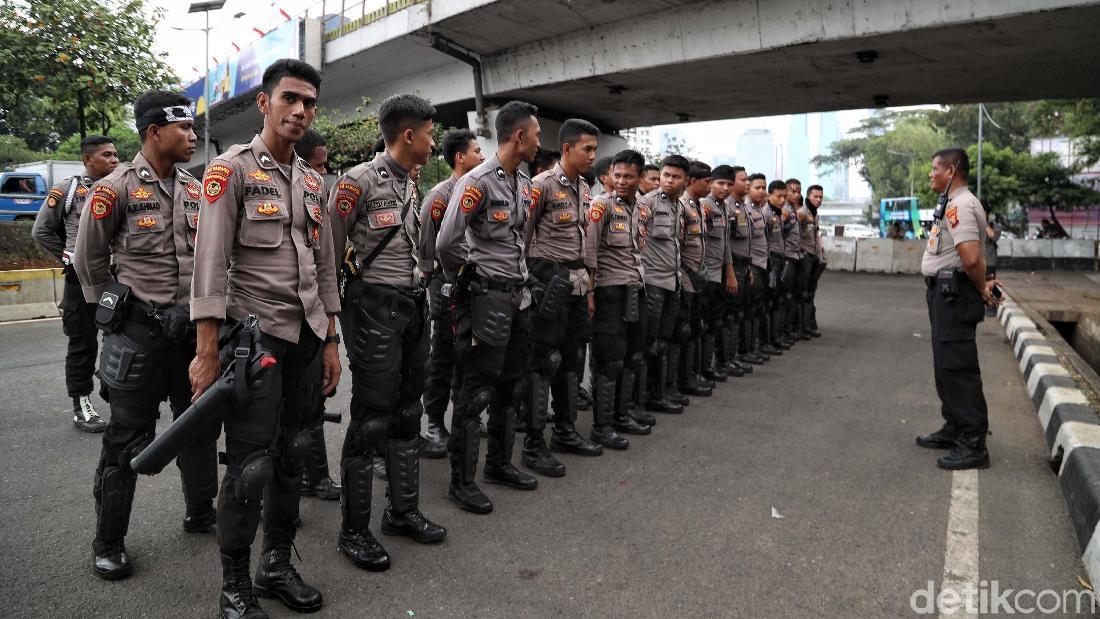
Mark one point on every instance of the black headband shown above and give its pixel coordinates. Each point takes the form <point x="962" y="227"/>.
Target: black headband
<point x="163" y="116"/>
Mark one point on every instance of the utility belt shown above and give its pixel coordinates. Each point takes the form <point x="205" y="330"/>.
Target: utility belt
<point x="742" y="262"/>
<point x="949" y="282"/>
<point x="117" y="305"/>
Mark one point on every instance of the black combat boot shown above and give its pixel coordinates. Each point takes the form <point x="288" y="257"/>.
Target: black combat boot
<point x="969" y="453"/>
<point x="688" y="381"/>
<point x="565" y="437"/>
<point x="944" y="438"/>
<point x="602" y="431"/>
<point x="316" y="481"/>
<point x="657" y="400"/>
<point x="116" y="497"/>
<point x="463" y="489"/>
<point x="433" y="444"/>
<point x="672" y="378"/>
<point x="277" y="578"/>
<point x="200" y="518"/>
<point x="85" y="417"/>
<point x="356" y="540"/>
<point x="535" y="455"/>
<point x="813" y="321"/>
<point x="498" y="453"/>
<point x="403" y="516"/>
<point x="713" y="368"/>
<point x="627" y="395"/>
<point x="238" y="600"/>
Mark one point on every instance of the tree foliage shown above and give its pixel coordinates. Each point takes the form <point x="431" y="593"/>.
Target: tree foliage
<point x="76" y="62"/>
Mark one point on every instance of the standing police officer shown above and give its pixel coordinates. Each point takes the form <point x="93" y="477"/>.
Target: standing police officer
<point x="957" y="294"/>
<point x="144" y="215"/>
<point x="384" y="320"/>
<point x="488" y="208"/>
<point x="55" y="230"/>
<point x="812" y="264"/>
<point x="721" y="288"/>
<point x="554" y="240"/>
<point x="264" y="251"/>
<point x="616" y="233"/>
<point x="738" y="340"/>
<point x="685" y="349"/>
<point x="462" y="152"/>
<point x="773" y="217"/>
<point x="758" y="273"/>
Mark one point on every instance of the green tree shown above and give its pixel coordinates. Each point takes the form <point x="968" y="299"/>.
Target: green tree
<point x="13" y="151"/>
<point x="126" y="141"/>
<point x="81" y="59"/>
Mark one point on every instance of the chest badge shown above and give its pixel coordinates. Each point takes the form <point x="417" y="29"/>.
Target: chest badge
<point x="260" y="176"/>
<point x="500" y="215"/>
<point x="147" y="222"/>
<point x="141" y="193"/>
<point x="311" y="182"/>
<point x="193" y="191"/>
<point x="267" y="208"/>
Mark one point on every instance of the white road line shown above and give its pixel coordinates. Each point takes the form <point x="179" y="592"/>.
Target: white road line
<point x="20" y="322"/>
<point x="960" y="561"/>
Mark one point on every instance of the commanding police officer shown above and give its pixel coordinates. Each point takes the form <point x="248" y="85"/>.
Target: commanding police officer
<point x="384" y="321"/>
<point x="616" y="233"/>
<point x="812" y="264"/>
<point x="661" y="259"/>
<point x="685" y="349"/>
<point x="554" y="239"/>
<point x="773" y="217"/>
<point x="316" y="481"/>
<point x="55" y="229"/>
<point x="462" y="152"/>
<point x="144" y="215"/>
<point x="758" y="274"/>
<point x="264" y="251"/>
<point x="738" y="340"/>
<point x="489" y="207"/>
<point x="954" y="269"/>
<point x="721" y="288"/>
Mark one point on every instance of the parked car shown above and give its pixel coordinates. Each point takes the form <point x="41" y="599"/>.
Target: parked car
<point x="860" y="231"/>
<point x="23" y="190"/>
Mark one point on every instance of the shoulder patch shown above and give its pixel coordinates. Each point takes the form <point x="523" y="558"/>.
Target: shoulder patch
<point x="438" y="208"/>
<point x="597" y="211"/>
<point x="347" y="194"/>
<point x="54" y="198"/>
<point x="536" y="193"/>
<point x="215" y="181"/>
<point x="471" y="196"/>
<point x="193" y="190"/>
<point x="103" y="200"/>
<point x="311" y="182"/>
<point x="952" y="215"/>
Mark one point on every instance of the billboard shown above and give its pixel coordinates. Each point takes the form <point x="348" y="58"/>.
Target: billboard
<point x="244" y="71"/>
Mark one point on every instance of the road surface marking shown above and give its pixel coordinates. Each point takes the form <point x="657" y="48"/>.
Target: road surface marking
<point x="960" y="561"/>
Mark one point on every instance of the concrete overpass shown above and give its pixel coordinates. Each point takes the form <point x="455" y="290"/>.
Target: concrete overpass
<point x="629" y="63"/>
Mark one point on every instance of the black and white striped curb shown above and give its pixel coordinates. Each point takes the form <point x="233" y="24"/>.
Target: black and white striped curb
<point x="1071" y="427"/>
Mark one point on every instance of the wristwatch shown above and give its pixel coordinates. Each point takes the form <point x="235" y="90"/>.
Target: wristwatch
<point x="333" y="339"/>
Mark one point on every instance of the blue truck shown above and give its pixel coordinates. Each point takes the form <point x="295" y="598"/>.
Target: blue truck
<point x="24" y="188"/>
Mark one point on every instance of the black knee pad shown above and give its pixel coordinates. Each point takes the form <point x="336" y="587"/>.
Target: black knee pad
<point x="548" y="366"/>
<point x="295" y="453"/>
<point x="612" y="369"/>
<point x="408" y="419"/>
<point x="131" y="451"/>
<point x="479" y="401"/>
<point x="370" y="435"/>
<point x="251" y="476"/>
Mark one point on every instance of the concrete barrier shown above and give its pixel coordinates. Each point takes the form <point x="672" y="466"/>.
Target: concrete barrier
<point x="907" y="256"/>
<point x="30" y="293"/>
<point x="875" y="255"/>
<point x="840" y="253"/>
<point x="1032" y="248"/>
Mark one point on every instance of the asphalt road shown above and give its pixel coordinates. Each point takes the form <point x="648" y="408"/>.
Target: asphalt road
<point x="684" y="523"/>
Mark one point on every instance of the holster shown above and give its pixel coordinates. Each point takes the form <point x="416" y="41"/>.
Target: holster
<point x="632" y="304"/>
<point x="113" y="308"/>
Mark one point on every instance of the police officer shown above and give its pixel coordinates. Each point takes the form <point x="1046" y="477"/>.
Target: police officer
<point x="686" y="349"/>
<point x="661" y="259"/>
<point x="812" y="258"/>
<point x="958" y="292"/>
<point x="737" y="339"/>
<point x="385" y="323"/>
<point x="792" y="253"/>
<point x="773" y="218"/>
<point x="758" y="274"/>
<point x="144" y="215"/>
<point x="55" y="230"/>
<point x="316" y="481"/>
<point x="554" y="240"/>
<point x="721" y="287"/>
<point x="616" y="233"/>
<point x="489" y="207"/>
<point x="264" y="250"/>
<point x="462" y="152"/>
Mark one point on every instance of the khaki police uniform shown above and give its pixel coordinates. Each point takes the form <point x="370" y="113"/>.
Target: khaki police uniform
<point x="661" y="260"/>
<point x="684" y="371"/>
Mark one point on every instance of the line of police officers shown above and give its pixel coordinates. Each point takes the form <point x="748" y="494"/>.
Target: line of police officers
<point x="488" y="292"/>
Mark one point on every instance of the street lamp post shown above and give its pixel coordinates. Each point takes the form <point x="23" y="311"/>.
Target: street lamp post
<point x="206" y="7"/>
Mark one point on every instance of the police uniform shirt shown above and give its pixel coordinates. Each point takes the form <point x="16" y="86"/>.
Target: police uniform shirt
<point x="368" y="204"/>
<point x="774" y="222"/>
<point x="692" y="240"/>
<point x="759" y="241"/>
<point x="963" y="220"/>
<point x="149" y="230"/>
<point x="56" y="225"/>
<point x="554" y="230"/>
<point x="807" y="223"/>
<point x="488" y="208"/>
<point x="431" y="215"/>
<point x="792" y="234"/>
<point x="661" y="251"/>
<point x="740" y="227"/>
<point x="718" y="255"/>
<point x="616" y="233"/>
<point x="263" y="248"/>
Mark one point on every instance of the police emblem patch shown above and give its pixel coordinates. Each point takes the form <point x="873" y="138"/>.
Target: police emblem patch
<point x="193" y="190"/>
<point x="103" y="200"/>
<point x="438" y="208"/>
<point x="597" y="211"/>
<point x="267" y="208"/>
<point x="141" y="193"/>
<point x="259" y="175"/>
<point x="952" y="215"/>
<point x="215" y="181"/>
<point x="147" y="222"/>
<point x="500" y="215"/>
<point x="470" y="197"/>
<point x="311" y="182"/>
<point x="54" y="198"/>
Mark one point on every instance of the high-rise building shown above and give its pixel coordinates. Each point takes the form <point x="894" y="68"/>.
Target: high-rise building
<point x="756" y="152"/>
<point x="833" y="181"/>
<point x="796" y="160"/>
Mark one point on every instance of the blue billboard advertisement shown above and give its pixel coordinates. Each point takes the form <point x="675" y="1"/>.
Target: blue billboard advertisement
<point x="244" y="71"/>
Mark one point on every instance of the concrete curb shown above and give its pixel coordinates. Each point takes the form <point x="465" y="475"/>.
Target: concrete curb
<point x="1070" y="425"/>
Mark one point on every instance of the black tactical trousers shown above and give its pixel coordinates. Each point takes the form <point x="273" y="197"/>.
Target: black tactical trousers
<point x="140" y="368"/>
<point x="275" y="426"/>
<point x="493" y="342"/>
<point x="558" y="337"/>
<point x="955" y="357"/>
<point x="614" y="339"/>
<point x="78" y="324"/>
<point x="443" y="381"/>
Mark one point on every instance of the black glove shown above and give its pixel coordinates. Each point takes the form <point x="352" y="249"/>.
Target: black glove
<point x="175" y="321"/>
